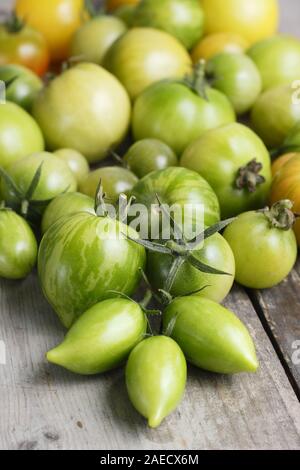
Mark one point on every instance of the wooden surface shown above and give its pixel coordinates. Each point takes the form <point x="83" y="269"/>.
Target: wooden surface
<point x="44" y="407"/>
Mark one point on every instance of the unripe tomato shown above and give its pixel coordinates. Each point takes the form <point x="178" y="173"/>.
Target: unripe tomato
<point x="76" y="162"/>
<point x="57" y="20"/>
<point x="211" y="337"/>
<point x="281" y="161"/>
<point x="156" y="377"/>
<point x="101" y="338"/>
<point x="252" y="19"/>
<point x="126" y="14"/>
<point x="214" y="44"/>
<point x="18" y="246"/>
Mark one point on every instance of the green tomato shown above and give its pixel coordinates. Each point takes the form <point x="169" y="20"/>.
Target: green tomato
<point x="264" y="254"/>
<point x="102" y="338"/>
<point x="184" y="20"/>
<point x="85" y="109"/>
<point x="177" y="187"/>
<point x="77" y="163"/>
<point x="64" y="205"/>
<point x="149" y="155"/>
<point x="215" y="253"/>
<point x="155" y="378"/>
<point x="277" y="59"/>
<point x="143" y="56"/>
<point x="82" y="257"/>
<point x="224" y="157"/>
<point x="18" y="246"/>
<point x="177" y="115"/>
<point x="22" y="85"/>
<point x="56" y="178"/>
<point x="95" y="37"/>
<point x="292" y="142"/>
<point x="19" y="134"/>
<point x="115" y="180"/>
<point x="126" y="14"/>
<point x="211" y="337"/>
<point x="237" y="77"/>
<point x="274" y="115"/>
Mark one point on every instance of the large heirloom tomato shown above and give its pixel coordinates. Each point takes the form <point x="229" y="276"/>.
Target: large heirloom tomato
<point x="217" y="43"/>
<point x="236" y="164"/>
<point x="177" y="114"/>
<point x="85" y="109"/>
<point x="82" y="257"/>
<point x="57" y="20"/>
<point x="286" y="185"/>
<point x="143" y="56"/>
<point x="253" y="19"/>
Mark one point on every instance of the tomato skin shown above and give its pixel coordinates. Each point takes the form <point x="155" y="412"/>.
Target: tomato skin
<point x="112" y="5"/>
<point x="278" y="60"/>
<point x="274" y="115"/>
<point x="286" y="185"/>
<point x="281" y="161"/>
<point x="149" y="155"/>
<point x="218" y="155"/>
<point x="102" y="338"/>
<point x="215" y="253"/>
<point x="19" y="134"/>
<point x="18" y="246"/>
<point x="26" y="47"/>
<point x="144" y="56"/>
<point x="217" y="43"/>
<point x="115" y="180"/>
<point x="94" y="38"/>
<point x="264" y="256"/>
<point x="76" y="162"/>
<point x="126" y="14"/>
<point x="238" y="78"/>
<point x="64" y="205"/>
<point x="155" y="378"/>
<point x="80" y="260"/>
<point x="57" y="21"/>
<point x="254" y="20"/>
<point x="184" y="20"/>
<point x="25" y="86"/>
<point x="211" y="337"/>
<point x="178" y="186"/>
<point x="173" y="113"/>
<point x="68" y="116"/>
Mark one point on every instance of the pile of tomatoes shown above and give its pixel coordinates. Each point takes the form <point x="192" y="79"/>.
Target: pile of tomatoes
<point x="167" y="103"/>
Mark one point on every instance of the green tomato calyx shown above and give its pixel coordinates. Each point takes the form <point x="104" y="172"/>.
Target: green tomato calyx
<point x="249" y="176"/>
<point x="14" y="24"/>
<point x="280" y="215"/>
<point x="196" y="80"/>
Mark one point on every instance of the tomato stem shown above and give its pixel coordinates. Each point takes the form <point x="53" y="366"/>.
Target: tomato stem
<point x="248" y="176"/>
<point x="280" y="215"/>
<point x="14" y="24"/>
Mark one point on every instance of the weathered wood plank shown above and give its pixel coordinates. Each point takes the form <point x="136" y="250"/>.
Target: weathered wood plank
<point x="44" y="407"/>
<point x="279" y="310"/>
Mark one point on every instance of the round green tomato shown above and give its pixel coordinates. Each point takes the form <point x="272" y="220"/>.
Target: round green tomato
<point x="22" y="85"/>
<point x="274" y="115"/>
<point x="126" y="14"/>
<point x="149" y="155"/>
<point x="102" y="338"/>
<point x="18" y="246"/>
<point x="177" y="115"/>
<point x="221" y="155"/>
<point x="56" y="178"/>
<point x="143" y="56"/>
<point x="77" y="163"/>
<point x="237" y="77"/>
<point x="277" y="59"/>
<point x="115" y="180"/>
<point x="215" y="253"/>
<point x="85" y="109"/>
<point x="184" y="20"/>
<point x="64" y="205"/>
<point x="264" y="255"/>
<point x="211" y="337"/>
<point x="19" y="134"/>
<point x="292" y="142"/>
<point x="155" y="378"/>
<point x="82" y="257"/>
<point x="95" y="37"/>
<point x="178" y="188"/>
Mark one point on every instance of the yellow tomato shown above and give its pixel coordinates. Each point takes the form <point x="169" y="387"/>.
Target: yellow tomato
<point x="57" y="20"/>
<point x="253" y="19"/>
<point x="281" y="161"/>
<point x="114" y="4"/>
<point x="214" y="44"/>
